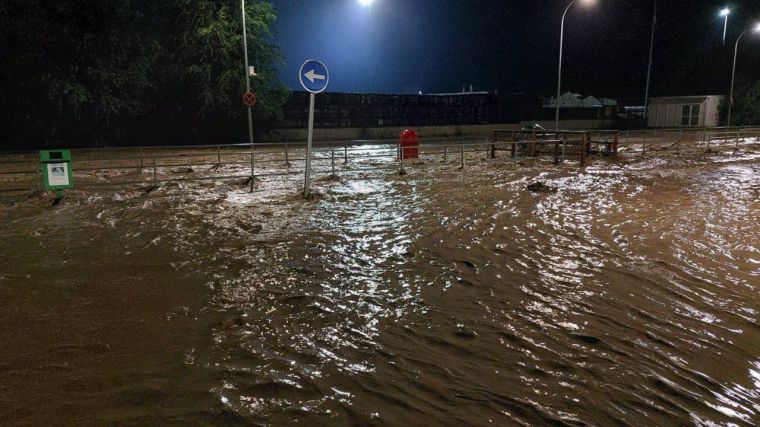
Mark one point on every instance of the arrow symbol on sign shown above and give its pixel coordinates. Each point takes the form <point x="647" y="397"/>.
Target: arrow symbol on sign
<point x="311" y="75"/>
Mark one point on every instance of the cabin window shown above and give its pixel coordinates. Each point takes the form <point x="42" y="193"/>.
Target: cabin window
<point x="690" y="115"/>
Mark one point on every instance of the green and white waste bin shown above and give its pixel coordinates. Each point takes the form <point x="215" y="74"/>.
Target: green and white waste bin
<point x="56" y="170"/>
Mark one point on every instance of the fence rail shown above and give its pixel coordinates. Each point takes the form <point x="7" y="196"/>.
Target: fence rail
<point x="113" y="167"/>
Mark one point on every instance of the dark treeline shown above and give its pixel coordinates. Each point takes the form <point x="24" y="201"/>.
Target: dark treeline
<point x="100" y="73"/>
<point x="746" y="110"/>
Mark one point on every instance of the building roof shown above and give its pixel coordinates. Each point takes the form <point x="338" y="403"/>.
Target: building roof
<point x="697" y="99"/>
<point x="576" y="100"/>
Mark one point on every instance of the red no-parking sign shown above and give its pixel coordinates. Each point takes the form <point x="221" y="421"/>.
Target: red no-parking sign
<point x="249" y="99"/>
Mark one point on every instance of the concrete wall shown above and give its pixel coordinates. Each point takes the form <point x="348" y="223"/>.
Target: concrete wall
<point x="711" y="112"/>
<point x="663" y="116"/>
<point x="349" y="134"/>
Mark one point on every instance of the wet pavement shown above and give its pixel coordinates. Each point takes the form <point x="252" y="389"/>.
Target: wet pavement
<point x="627" y="296"/>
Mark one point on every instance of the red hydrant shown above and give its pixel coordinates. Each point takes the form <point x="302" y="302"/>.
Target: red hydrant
<point x="410" y="145"/>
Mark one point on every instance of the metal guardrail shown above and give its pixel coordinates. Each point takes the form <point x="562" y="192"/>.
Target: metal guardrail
<point x="112" y="167"/>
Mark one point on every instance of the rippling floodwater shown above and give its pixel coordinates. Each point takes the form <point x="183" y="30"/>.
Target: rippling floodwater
<point x="628" y="296"/>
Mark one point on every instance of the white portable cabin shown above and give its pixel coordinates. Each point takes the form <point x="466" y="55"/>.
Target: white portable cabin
<point x="684" y="111"/>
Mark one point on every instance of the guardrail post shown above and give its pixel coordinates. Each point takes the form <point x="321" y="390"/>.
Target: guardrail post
<point x="332" y="160"/>
<point x="493" y="148"/>
<point x="564" y="146"/>
<point x="616" y="144"/>
<point x="445" y="151"/>
<point x="678" y="143"/>
<point x="345" y="153"/>
<point x="155" y="172"/>
<point x="584" y="142"/>
<point x="533" y="145"/>
<point x="401" y="160"/>
<point x="514" y="157"/>
<point x="218" y="156"/>
<point x="253" y="171"/>
<point x="37" y="179"/>
<point x="462" y="156"/>
<point x="644" y="145"/>
<point x="737" y="141"/>
<point x="141" y="161"/>
<point x="287" y="160"/>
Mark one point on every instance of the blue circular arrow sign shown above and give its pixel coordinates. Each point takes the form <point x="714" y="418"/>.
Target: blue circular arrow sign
<point x="314" y="76"/>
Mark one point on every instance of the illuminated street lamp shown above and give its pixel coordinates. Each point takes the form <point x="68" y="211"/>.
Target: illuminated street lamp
<point x="756" y="30"/>
<point x="561" y="43"/>
<point x="725" y="12"/>
<point x="368" y="4"/>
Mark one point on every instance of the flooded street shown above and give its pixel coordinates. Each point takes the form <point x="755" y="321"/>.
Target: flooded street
<point x="626" y="294"/>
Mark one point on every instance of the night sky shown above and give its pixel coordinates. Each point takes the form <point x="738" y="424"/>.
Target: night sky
<point x="433" y="46"/>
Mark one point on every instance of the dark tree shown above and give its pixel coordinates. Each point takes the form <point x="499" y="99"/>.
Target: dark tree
<point x="746" y="109"/>
<point x="127" y="72"/>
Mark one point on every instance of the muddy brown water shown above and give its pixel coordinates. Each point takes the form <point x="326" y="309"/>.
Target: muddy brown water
<point x="627" y="297"/>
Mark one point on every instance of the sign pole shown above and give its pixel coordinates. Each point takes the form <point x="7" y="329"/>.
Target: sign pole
<point x="250" y="126"/>
<point x="247" y="76"/>
<point x="307" y="181"/>
<point x="314" y="78"/>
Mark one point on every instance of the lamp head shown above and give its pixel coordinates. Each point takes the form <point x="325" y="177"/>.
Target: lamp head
<point x="588" y="2"/>
<point x="725" y="12"/>
<point x="757" y="28"/>
<point x="366" y="3"/>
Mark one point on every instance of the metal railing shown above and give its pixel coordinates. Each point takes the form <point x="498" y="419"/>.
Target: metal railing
<point x="688" y="140"/>
<point x="114" y="167"/>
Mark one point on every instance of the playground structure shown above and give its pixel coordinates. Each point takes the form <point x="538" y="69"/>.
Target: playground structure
<point x="561" y="144"/>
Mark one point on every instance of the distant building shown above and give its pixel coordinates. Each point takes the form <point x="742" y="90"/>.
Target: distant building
<point x="575" y="107"/>
<point x="685" y="111"/>
<point x="632" y="112"/>
<point x="576" y="100"/>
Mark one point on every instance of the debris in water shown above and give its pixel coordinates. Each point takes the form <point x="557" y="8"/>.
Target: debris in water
<point x="313" y="196"/>
<point x="540" y="187"/>
<point x="246" y="182"/>
<point x="251" y="228"/>
<point x="330" y="178"/>
<point x="465" y="332"/>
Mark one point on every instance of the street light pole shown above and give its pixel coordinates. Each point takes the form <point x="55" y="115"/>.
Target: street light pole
<point x="733" y="75"/>
<point x="559" y="73"/>
<point x="247" y="74"/>
<point x="561" y="46"/>
<point x="649" y="69"/>
<point x="725" y="12"/>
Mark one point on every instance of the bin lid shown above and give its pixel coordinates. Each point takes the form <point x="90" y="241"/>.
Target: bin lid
<point x="53" y="156"/>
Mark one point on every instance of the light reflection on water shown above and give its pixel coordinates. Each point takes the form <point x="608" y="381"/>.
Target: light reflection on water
<point x="324" y="298"/>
